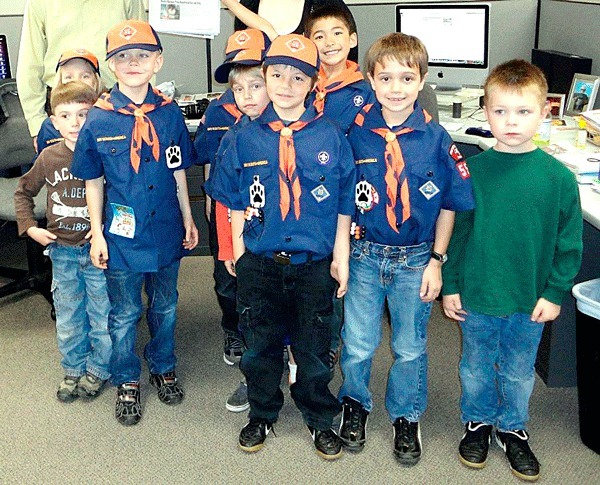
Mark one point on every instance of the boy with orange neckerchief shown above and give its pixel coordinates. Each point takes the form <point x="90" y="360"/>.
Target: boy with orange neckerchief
<point x="136" y="141"/>
<point x="288" y="178"/>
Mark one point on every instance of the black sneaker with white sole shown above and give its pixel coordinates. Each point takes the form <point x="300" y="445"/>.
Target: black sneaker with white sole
<point x="407" y="442"/>
<point x="253" y="435"/>
<point x="475" y="444"/>
<point x="523" y="462"/>
<point x="327" y="443"/>
<point x="233" y="348"/>
<point x="238" y="401"/>
<point x="353" y="426"/>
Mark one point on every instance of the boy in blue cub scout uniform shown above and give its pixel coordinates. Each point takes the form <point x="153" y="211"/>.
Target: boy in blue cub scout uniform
<point x="221" y="114"/>
<point x="136" y="141"/>
<point x="288" y="178"/>
<point x="410" y="180"/>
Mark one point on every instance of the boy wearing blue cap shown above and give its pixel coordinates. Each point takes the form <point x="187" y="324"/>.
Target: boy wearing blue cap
<point x="288" y="178"/>
<point x="135" y="141"/>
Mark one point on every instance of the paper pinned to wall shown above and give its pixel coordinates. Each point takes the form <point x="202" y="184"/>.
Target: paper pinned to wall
<point x="195" y="18"/>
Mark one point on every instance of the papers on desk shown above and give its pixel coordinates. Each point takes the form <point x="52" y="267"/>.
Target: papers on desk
<point x="582" y="164"/>
<point x="452" y="126"/>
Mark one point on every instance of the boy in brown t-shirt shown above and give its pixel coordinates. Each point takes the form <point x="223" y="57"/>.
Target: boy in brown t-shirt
<point x="78" y="287"/>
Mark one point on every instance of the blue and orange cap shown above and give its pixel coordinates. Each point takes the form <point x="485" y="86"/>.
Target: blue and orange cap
<point x="245" y="47"/>
<point x="294" y="50"/>
<point x="132" y="34"/>
<point x="79" y="54"/>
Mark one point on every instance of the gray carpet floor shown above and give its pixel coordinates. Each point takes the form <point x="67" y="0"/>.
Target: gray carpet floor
<point x="43" y="441"/>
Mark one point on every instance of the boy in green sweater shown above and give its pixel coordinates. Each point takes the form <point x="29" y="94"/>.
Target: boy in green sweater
<point x="510" y="263"/>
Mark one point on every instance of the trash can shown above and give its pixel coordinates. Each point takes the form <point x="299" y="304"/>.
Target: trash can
<point x="587" y="295"/>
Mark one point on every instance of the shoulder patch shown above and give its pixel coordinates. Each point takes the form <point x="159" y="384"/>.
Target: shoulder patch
<point x="455" y="153"/>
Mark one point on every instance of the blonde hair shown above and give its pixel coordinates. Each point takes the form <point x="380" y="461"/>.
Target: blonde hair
<point x="238" y="69"/>
<point x="100" y="88"/>
<point x="72" y="92"/>
<point x="406" y="49"/>
<point x="517" y="75"/>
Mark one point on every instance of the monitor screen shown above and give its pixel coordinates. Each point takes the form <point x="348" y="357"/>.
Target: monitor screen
<point x="456" y="37"/>
<point x="4" y="61"/>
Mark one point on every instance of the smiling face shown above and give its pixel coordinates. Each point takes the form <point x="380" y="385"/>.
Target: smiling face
<point x="68" y="120"/>
<point x="334" y="41"/>
<point x="514" y="117"/>
<point x="396" y="87"/>
<point x="250" y="92"/>
<point x="287" y="87"/>
<point x="134" y="68"/>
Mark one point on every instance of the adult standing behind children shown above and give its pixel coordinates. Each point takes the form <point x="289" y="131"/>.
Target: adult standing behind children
<point x="510" y="263"/>
<point x="411" y="179"/>
<point x="136" y="141"/>
<point x="78" y="288"/>
<point x="288" y="177"/>
<point x="51" y="27"/>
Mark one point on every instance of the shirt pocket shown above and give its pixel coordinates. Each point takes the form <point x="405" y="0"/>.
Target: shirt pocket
<point x="116" y="158"/>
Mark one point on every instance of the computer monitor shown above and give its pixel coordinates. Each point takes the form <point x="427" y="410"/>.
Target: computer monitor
<point x="456" y="37"/>
<point x="4" y="60"/>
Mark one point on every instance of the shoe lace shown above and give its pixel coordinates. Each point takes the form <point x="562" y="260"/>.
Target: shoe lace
<point x="404" y="431"/>
<point x="354" y="421"/>
<point x="234" y="343"/>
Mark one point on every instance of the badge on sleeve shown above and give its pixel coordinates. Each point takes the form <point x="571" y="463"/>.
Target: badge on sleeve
<point x="257" y="193"/>
<point x="365" y="196"/>
<point x="173" y="156"/>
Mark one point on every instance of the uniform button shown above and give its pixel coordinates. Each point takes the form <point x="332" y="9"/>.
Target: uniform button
<point x="150" y="187"/>
<point x="287" y="180"/>
<point x="322" y="178"/>
<point x="113" y="150"/>
<point x="430" y="174"/>
<point x="146" y="159"/>
<point x="152" y="213"/>
<point x="288" y="238"/>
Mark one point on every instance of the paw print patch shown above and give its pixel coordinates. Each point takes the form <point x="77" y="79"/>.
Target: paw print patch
<point x="173" y="155"/>
<point x="365" y="197"/>
<point x="257" y="193"/>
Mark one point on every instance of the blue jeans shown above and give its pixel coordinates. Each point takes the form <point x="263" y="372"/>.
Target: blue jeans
<point x="82" y="306"/>
<point x="393" y="273"/>
<point x="497" y="368"/>
<point x="276" y="301"/>
<point x="125" y="292"/>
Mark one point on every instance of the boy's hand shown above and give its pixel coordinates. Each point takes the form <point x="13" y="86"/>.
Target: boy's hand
<point x="99" y="252"/>
<point x="230" y="267"/>
<point x="432" y="281"/>
<point x="191" y="234"/>
<point x="40" y="235"/>
<point x="545" y="311"/>
<point x="453" y="307"/>
<point x="340" y="271"/>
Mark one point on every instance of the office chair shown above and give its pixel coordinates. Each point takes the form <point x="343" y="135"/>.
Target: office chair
<point x="428" y="101"/>
<point x="16" y="150"/>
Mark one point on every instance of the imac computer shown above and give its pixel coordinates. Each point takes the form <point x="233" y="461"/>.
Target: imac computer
<point x="456" y="37"/>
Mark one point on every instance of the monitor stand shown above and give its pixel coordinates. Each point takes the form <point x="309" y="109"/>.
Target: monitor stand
<point x="448" y="89"/>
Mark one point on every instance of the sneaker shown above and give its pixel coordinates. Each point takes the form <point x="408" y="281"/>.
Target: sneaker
<point x="169" y="391"/>
<point x="523" y="462"/>
<point x="238" y="401"/>
<point x="293" y="373"/>
<point x="254" y="434"/>
<point x="327" y="443"/>
<point x="353" y="427"/>
<point x="67" y="389"/>
<point x="128" y="410"/>
<point x="89" y="386"/>
<point x="474" y="445"/>
<point x="233" y="348"/>
<point x="407" y="442"/>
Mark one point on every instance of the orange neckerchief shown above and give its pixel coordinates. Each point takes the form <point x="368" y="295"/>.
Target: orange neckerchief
<point x="143" y="129"/>
<point x="350" y="75"/>
<point x="394" y="162"/>
<point x="233" y="110"/>
<point x="287" y="166"/>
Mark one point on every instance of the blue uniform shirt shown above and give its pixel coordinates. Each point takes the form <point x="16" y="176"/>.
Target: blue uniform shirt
<point x="343" y="105"/>
<point x="248" y="176"/>
<point x="47" y="136"/>
<point x="437" y="174"/>
<point x="103" y="149"/>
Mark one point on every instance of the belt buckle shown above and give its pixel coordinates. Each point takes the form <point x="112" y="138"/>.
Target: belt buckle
<point x="282" y="258"/>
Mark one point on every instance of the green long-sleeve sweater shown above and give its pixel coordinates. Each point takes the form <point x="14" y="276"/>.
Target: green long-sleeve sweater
<point x="523" y="241"/>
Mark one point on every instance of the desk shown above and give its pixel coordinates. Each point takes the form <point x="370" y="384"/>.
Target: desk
<point x="556" y="361"/>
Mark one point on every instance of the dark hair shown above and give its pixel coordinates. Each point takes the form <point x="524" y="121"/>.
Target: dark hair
<point x="406" y="49"/>
<point x="336" y="11"/>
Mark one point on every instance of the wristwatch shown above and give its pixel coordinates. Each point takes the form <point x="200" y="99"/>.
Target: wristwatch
<point x="442" y="258"/>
